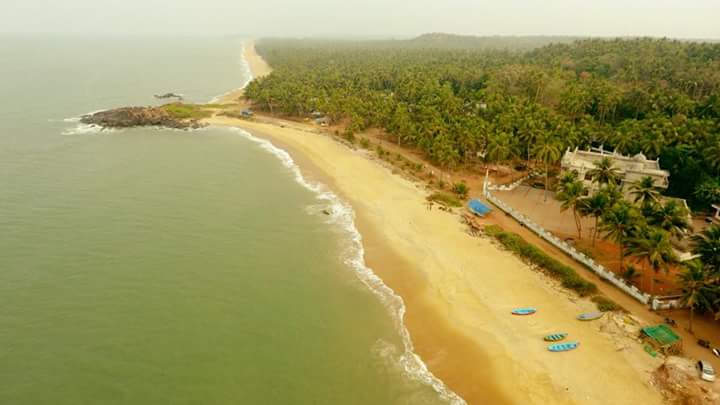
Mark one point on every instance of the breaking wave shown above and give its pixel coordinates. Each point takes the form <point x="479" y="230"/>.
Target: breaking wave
<point x="245" y="66"/>
<point x="343" y="215"/>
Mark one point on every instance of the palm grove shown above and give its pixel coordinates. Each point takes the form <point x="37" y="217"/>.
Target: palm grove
<point x="465" y="105"/>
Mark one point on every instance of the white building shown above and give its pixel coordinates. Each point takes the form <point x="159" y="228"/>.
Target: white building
<point x="630" y="168"/>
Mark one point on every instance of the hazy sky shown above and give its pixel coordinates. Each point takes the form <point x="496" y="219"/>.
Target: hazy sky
<point x="673" y="18"/>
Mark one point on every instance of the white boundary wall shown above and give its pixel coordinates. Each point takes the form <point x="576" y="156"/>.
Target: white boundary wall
<point x="569" y="250"/>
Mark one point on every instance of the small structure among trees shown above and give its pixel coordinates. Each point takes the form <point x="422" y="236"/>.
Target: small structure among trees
<point x="662" y="338"/>
<point x="628" y="169"/>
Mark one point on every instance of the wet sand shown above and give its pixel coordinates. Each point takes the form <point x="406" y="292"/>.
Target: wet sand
<point x="459" y="290"/>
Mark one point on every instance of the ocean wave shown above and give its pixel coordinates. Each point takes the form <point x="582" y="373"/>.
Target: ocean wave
<point x="245" y="66"/>
<point x="343" y="215"/>
<point x="85" y="129"/>
<point x="79" y="117"/>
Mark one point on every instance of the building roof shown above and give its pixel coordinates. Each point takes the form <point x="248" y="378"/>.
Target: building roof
<point x="662" y="334"/>
<point x="478" y="207"/>
<point x="633" y="168"/>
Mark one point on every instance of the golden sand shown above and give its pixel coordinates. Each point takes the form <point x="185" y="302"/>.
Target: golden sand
<point x="459" y="290"/>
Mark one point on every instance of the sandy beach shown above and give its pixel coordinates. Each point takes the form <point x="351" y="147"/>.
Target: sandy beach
<point x="459" y="290"/>
<point x="257" y="66"/>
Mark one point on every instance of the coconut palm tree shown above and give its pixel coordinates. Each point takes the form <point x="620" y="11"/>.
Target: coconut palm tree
<point x="594" y="206"/>
<point x="604" y="172"/>
<point x="618" y="223"/>
<point x="548" y="150"/>
<point x="571" y="197"/>
<point x="500" y="147"/>
<point x="653" y="246"/>
<point x="623" y="141"/>
<point x="712" y="154"/>
<point x="696" y="287"/>
<point x="645" y="192"/>
<point x="707" y="245"/>
<point x="566" y="177"/>
<point x="671" y="217"/>
<point x="613" y="194"/>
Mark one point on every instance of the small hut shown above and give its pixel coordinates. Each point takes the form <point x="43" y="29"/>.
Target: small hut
<point x="662" y="338"/>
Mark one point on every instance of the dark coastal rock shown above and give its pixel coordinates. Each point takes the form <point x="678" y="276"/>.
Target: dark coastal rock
<point x="128" y="117"/>
<point x="169" y="95"/>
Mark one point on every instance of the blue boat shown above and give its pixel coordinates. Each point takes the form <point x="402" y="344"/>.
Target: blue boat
<point x="591" y="316"/>
<point x="478" y="208"/>
<point x="524" y="311"/>
<point x="555" y="337"/>
<point x="563" y="347"/>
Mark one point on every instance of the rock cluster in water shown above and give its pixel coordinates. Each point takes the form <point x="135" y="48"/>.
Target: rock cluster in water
<point x="127" y="117"/>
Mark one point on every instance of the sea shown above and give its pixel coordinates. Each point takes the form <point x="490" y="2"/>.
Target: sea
<point x="155" y="266"/>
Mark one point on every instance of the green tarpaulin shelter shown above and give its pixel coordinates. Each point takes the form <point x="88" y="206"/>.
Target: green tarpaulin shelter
<point x="663" y="338"/>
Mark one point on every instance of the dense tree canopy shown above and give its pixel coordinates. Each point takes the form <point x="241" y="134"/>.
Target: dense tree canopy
<point x="460" y="104"/>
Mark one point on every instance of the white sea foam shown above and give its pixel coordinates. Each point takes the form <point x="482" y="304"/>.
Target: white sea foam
<point x="245" y="66"/>
<point x="343" y="215"/>
<point x="80" y="128"/>
<point x="85" y="129"/>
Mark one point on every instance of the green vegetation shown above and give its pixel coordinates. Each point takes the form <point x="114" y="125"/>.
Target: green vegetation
<point x="444" y="198"/>
<point x="699" y="290"/>
<point x="567" y="276"/>
<point x="461" y="189"/>
<point x="642" y="229"/>
<point x="605" y="304"/>
<point x="464" y="100"/>
<point x="189" y="111"/>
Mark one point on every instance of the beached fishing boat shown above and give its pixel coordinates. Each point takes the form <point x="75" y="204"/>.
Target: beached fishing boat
<point x="524" y="311"/>
<point x="555" y="337"/>
<point x="590" y="316"/>
<point x="563" y="347"/>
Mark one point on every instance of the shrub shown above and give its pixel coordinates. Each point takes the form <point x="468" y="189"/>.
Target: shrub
<point x="444" y="198"/>
<point x="186" y="111"/>
<point x="461" y="189"/>
<point x="566" y="274"/>
<point x="630" y="274"/>
<point x="364" y="143"/>
<point x="605" y="304"/>
<point x="380" y="151"/>
<point x="441" y="184"/>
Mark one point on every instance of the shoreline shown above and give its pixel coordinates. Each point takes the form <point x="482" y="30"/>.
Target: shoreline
<point x="343" y="215"/>
<point x="254" y="66"/>
<point x="458" y="290"/>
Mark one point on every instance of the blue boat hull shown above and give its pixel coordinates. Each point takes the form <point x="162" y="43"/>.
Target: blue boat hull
<point x="555" y="337"/>
<point x="590" y="316"/>
<point x="563" y="347"/>
<point x="524" y="311"/>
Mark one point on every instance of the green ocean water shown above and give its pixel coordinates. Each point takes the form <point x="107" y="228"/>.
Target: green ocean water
<point x="169" y="267"/>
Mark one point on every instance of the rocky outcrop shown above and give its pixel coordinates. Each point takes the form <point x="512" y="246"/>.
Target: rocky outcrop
<point x="169" y="95"/>
<point x="128" y="117"/>
<point x="680" y="383"/>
